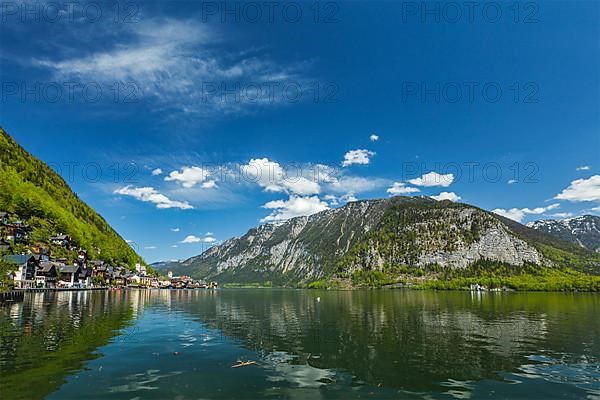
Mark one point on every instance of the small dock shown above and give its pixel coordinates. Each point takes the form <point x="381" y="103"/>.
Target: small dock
<point x="41" y="290"/>
<point x="14" y="295"/>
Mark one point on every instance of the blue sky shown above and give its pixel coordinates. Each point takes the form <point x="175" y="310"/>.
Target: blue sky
<point x="184" y="123"/>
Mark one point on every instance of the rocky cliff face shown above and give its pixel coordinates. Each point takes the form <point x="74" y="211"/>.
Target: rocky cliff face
<point x="370" y="234"/>
<point x="583" y="231"/>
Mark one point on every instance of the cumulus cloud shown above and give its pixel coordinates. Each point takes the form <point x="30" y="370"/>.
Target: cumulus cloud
<point x="175" y="229"/>
<point x="208" y="238"/>
<point x="360" y="156"/>
<point x="433" y="179"/>
<point x="157" y="171"/>
<point x="295" y="206"/>
<point x="518" y="214"/>
<point x="333" y="201"/>
<point x="348" y="197"/>
<point x="583" y="168"/>
<point x="446" y="196"/>
<point x="189" y="177"/>
<point x="399" y="188"/>
<point x="271" y="176"/>
<point x="374" y="138"/>
<point x="582" y="190"/>
<point x="191" y="239"/>
<point x="151" y="195"/>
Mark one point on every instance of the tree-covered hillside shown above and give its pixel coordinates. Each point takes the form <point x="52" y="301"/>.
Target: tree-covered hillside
<point x="34" y="192"/>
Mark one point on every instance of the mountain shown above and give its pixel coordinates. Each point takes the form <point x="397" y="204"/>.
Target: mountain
<point x="382" y="238"/>
<point x="584" y="230"/>
<point x="31" y="190"/>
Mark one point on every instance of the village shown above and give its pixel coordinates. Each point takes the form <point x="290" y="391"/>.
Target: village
<point x="34" y="267"/>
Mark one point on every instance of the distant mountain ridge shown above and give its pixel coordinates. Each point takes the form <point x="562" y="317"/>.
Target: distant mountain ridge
<point x="583" y="231"/>
<point x="379" y="235"/>
<point x="31" y="190"/>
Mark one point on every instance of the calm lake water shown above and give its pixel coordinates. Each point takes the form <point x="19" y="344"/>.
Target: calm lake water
<point x="307" y="344"/>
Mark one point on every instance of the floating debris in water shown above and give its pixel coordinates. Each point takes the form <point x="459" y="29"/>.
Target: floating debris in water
<point x="243" y="364"/>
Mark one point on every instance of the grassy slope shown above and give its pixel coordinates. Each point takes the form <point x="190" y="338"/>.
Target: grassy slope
<point x="31" y="189"/>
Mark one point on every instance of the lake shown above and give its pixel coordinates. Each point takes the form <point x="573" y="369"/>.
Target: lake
<point x="161" y="344"/>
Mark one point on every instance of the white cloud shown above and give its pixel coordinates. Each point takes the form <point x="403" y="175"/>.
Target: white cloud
<point x="511" y="181"/>
<point x="151" y="195"/>
<point x="295" y="206"/>
<point x="356" y="184"/>
<point x="264" y="172"/>
<point x="174" y="246"/>
<point x="190" y="176"/>
<point x="302" y="186"/>
<point x="175" y="229"/>
<point x="176" y="64"/>
<point x="433" y="179"/>
<point x="150" y="247"/>
<point x="333" y="201"/>
<point x="583" y="168"/>
<point x="582" y="190"/>
<point x="272" y="177"/>
<point x="518" y="214"/>
<point x="374" y="138"/>
<point x="446" y="196"/>
<point x="360" y="156"/>
<point x="209" y="234"/>
<point x="191" y="239"/>
<point x="157" y="171"/>
<point x="399" y="188"/>
<point x="208" y="238"/>
<point x="211" y="184"/>
<point x="348" y="197"/>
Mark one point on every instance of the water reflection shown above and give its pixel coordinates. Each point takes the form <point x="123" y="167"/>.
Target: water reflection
<point x="414" y="341"/>
<point x="50" y="335"/>
<point x="166" y="344"/>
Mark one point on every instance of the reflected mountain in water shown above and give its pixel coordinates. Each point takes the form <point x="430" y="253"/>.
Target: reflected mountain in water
<point x="329" y="344"/>
<point x="405" y="339"/>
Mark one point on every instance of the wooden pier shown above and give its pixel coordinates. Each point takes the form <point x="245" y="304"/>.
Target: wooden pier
<point x="41" y="290"/>
<point x="14" y="295"/>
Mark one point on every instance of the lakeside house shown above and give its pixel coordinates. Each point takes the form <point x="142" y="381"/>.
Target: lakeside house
<point x="24" y="275"/>
<point x="69" y="275"/>
<point x="73" y="269"/>
<point x="46" y="275"/>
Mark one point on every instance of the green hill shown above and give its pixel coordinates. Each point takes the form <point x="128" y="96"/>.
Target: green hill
<point x="35" y="193"/>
